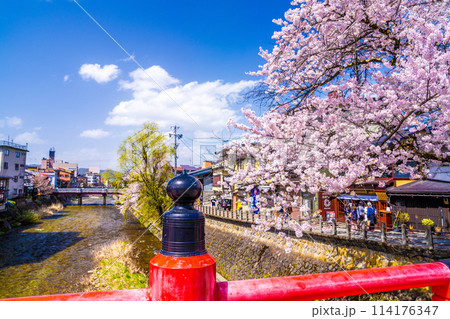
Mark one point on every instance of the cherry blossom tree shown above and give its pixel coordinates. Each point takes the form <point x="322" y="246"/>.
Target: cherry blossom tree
<point x="41" y="183"/>
<point x="356" y="87"/>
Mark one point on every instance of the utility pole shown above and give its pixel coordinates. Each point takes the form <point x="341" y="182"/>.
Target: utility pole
<point x="175" y="145"/>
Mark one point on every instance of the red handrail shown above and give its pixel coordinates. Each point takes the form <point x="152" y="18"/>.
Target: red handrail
<point x="337" y="284"/>
<point x="306" y="287"/>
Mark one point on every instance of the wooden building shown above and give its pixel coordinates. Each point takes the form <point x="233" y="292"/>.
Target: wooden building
<point x="423" y="199"/>
<point x="369" y="191"/>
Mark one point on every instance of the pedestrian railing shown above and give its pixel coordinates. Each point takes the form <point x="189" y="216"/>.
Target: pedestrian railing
<point x="403" y="236"/>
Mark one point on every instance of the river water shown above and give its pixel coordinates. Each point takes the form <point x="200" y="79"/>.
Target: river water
<point x="52" y="256"/>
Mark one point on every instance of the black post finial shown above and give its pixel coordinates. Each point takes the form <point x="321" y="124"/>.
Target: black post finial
<point x="184" y="189"/>
<point x="183" y="225"/>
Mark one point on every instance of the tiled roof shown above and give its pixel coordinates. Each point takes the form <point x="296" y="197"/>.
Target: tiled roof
<point x="424" y="187"/>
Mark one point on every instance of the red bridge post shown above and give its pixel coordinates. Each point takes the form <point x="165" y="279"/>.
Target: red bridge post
<point x="442" y="292"/>
<point x="183" y="270"/>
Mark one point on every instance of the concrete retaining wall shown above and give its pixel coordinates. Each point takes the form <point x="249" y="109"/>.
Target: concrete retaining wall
<point x="242" y="255"/>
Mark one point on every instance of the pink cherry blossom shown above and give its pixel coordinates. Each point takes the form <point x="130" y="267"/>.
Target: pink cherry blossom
<point x="356" y="87"/>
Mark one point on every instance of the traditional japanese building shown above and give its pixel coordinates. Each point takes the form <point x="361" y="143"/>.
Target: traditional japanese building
<point x="423" y="199"/>
<point x="369" y="191"/>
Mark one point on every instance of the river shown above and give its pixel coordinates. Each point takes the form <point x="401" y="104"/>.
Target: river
<point x="52" y="256"/>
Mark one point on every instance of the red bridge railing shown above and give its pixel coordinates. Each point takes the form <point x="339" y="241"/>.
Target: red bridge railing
<point x="184" y="271"/>
<point x="308" y="287"/>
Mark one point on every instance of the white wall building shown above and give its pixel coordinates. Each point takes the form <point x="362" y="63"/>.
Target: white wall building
<point x="93" y="179"/>
<point x="12" y="160"/>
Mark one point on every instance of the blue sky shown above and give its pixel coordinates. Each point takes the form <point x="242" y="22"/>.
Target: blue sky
<point x="66" y="83"/>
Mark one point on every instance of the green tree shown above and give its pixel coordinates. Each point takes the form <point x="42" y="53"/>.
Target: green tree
<point x="144" y="160"/>
<point x="112" y="178"/>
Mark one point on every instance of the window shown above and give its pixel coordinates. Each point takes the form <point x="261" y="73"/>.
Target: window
<point x="22" y="165"/>
<point x="20" y="191"/>
<point x="16" y="166"/>
<point x="21" y="177"/>
<point x="6" y="152"/>
<point x="216" y="180"/>
<point x="15" y="191"/>
<point x="5" y="165"/>
<point x="23" y="154"/>
<point x="16" y="179"/>
<point x="17" y="154"/>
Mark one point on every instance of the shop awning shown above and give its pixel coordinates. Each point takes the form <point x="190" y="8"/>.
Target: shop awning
<point x="382" y="196"/>
<point x="371" y="198"/>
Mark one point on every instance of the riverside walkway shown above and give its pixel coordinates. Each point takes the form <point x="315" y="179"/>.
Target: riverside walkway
<point x="401" y="237"/>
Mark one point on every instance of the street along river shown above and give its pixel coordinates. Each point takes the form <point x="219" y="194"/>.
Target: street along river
<point x="52" y="256"/>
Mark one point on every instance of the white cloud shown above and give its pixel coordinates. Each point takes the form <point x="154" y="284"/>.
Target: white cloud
<point x="154" y="77"/>
<point x="196" y="107"/>
<point x="66" y="77"/>
<point x="28" y="137"/>
<point x="13" y="122"/>
<point x="100" y="74"/>
<point x="97" y="133"/>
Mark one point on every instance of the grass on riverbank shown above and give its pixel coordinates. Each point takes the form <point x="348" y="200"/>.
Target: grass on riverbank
<point x="28" y="217"/>
<point x="116" y="269"/>
<point x="28" y="214"/>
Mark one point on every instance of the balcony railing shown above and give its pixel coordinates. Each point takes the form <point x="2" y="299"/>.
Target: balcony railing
<point x="13" y="145"/>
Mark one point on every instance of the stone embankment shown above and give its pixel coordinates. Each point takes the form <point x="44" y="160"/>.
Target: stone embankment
<point x="241" y="255"/>
<point x="39" y="207"/>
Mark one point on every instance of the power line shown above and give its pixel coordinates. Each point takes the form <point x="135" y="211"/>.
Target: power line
<point x="192" y="150"/>
<point x="134" y="60"/>
<point x="202" y="157"/>
<point x="214" y="138"/>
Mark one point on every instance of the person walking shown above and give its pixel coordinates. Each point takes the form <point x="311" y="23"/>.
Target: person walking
<point x="354" y="221"/>
<point x="371" y="217"/>
<point x="239" y="205"/>
<point x="347" y="212"/>
<point x="366" y="206"/>
<point x="360" y="215"/>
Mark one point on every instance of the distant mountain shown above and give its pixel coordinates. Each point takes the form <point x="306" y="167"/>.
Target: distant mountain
<point x="102" y="170"/>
